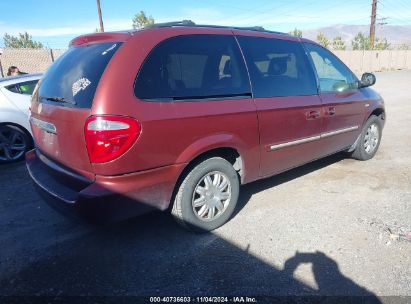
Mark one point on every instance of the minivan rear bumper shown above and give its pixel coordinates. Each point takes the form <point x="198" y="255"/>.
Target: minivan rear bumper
<point x="107" y="198"/>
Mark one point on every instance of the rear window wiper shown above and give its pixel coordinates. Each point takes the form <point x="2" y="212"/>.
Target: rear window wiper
<point x="58" y="99"/>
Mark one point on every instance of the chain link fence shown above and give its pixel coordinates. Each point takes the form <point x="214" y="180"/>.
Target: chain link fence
<point x="33" y="60"/>
<point x="28" y="60"/>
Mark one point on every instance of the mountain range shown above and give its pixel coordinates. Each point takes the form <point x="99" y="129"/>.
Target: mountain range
<point x="395" y="34"/>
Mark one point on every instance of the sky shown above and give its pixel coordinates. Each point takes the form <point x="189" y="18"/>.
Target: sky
<point x="56" y="22"/>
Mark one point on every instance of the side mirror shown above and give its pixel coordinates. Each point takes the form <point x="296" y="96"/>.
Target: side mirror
<point x="367" y="79"/>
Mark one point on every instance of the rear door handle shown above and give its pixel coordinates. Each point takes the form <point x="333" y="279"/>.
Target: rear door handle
<point x="312" y="115"/>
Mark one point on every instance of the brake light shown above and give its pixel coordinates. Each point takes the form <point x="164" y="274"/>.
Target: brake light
<point x="78" y="41"/>
<point x="108" y="137"/>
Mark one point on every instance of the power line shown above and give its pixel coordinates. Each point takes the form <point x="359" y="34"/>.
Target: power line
<point x="392" y="12"/>
<point x="402" y="8"/>
<point x="267" y="12"/>
<point x="296" y="10"/>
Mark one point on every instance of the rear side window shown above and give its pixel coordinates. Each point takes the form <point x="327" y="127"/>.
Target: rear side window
<point x="278" y="67"/>
<point x="193" y="67"/>
<point x="25" y="88"/>
<point x="73" y="78"/>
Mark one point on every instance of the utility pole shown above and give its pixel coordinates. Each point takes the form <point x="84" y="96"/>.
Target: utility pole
<point x="372" y="26"/>
<point x="381" y="22"/>
<point x="99" y="16"/>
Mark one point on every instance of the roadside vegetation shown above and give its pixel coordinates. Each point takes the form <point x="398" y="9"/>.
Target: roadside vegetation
<point x="360" y="42"/>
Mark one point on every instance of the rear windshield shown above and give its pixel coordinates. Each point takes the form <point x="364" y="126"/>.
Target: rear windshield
<point x="73" y="78"/>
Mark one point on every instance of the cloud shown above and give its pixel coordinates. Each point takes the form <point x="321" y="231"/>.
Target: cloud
<point x="81" y="28"/>
<point x="45" y="32"/>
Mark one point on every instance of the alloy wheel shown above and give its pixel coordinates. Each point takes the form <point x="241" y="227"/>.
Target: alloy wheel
<point x="12" y="144"/>
<point x="371" y="138"/>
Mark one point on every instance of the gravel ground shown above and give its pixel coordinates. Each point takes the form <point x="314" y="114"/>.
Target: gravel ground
<point x="333" y="227"/>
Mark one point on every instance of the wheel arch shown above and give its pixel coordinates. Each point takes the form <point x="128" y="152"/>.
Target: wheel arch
<point x="377" y="112"/>
<point x="225" y="145"/>
<point x="232" y="155"/>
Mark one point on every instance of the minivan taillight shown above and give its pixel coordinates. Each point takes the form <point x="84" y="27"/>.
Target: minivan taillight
<point x="108" y="137"/>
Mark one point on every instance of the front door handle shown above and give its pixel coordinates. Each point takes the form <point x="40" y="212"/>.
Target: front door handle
<point x="331" y="111"/>
<point x="312" y="115"/>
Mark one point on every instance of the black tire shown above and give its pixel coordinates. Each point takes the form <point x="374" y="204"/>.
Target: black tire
<point x="360" y="151"/>
<point x="183" y="209"/>
<point x="7" y="133"/>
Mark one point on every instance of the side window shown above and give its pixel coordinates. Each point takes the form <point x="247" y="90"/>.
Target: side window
<point x="333" y="75"/>
<point x="278" y="67"/>
<point x="27" y="88"/>
<point x="193" y="67"/>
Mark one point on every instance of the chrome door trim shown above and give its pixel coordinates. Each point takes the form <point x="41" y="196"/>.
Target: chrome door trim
<point x="295" y="142"/>
<point x="339" y="131"/>
<point x="312" y="138"/>
<point x="44" y="125"/>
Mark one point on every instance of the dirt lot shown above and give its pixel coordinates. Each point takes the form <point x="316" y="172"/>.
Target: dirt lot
<point x="322" y="229"/>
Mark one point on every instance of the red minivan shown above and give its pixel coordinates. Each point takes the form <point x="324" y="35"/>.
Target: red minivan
<point x="176" y="116"/>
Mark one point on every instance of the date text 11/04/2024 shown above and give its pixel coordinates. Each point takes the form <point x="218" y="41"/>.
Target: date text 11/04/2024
<point x="203" y="300"/>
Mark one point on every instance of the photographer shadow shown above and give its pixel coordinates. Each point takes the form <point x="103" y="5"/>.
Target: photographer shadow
<point x="328" y="277"/>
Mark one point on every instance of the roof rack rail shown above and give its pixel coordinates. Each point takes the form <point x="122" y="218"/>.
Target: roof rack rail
<point x="191" y="23"/>
<point x="172" y="23"/>
<point x="250" y="28"/>
<point x="258" y="29"/>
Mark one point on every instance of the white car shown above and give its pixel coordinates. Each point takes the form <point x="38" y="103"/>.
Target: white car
<point x="15" y="131"/>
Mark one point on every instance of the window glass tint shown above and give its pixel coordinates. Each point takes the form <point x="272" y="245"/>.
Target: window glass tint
<point x="278" y="67"/>
<point x="193" y="67"/>
<point x="13" y="88"/>
<point x="333" y="75"/>
<point x="74" y="76"/>
<point x="27" y="87"/>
